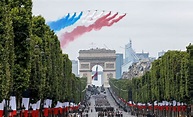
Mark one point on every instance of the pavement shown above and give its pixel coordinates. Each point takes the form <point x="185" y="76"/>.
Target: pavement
<point x="93" y="113"/>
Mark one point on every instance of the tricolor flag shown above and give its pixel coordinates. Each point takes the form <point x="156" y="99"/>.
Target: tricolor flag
<point x="95" y="76"/>
<point x="25" y="103"/>
<point x="12" y="104"/>
<point x="2" y="104"/>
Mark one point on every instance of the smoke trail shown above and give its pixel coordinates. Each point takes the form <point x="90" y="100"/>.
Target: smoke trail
<point x="89" y="16"/>
<point x="97" y="25"/>
<point x="94" y="18"/>
<point x="99" y="15"/>
<point x="87" y="19"/>
<point x="102" y="18"/>
<point x="75" y="19"/>
<point x="78" y="22"/>
<point x="70" y="20"/>
<point x="65" y="22"/>
<point x="112" y="17"/>
<point x="116" y="20"/>
<point x="85" y="16"/>
<point x="104" y="22"/>
<point x="78" y="31"/>
<point x="59" y="24"/>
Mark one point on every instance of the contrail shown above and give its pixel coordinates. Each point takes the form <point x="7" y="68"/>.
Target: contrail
<point x="97" y="25"/>
<point x="74" y="20"/>
<point x="86" y="19"/>
<point x="64" y="22"/>
<point x="116" y="20"/>
<point x="94" y="18"/>
<point x="81" y="21"/>
<point x="58" y="24"/>
<point x="89" y="16"/>
<point x="104" y="22"/>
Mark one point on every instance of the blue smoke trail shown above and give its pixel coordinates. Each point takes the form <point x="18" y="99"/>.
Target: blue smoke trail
<point x="64" y="22"/>
<point x="59" y="24"/>
<point x="70" y="20"/>
<point x="75" y="19"/>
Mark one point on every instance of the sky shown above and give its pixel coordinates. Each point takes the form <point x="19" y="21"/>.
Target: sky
<point x="152" y="25"/>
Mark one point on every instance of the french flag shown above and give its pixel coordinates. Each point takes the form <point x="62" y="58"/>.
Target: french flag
<point x="12" y="104"/>
<point x="25" y="103"/>
<point x="95" y="76"/>
<point x="2" y="108"/>
<point x="47" y="105"/>
<point x="33" y="114"/>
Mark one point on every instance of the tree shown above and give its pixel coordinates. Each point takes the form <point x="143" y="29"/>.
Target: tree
<point x="6" y="50"/>
<point x="169" y="78"/>
<point x="190" y="73"/>
<point x="21" y="12"/>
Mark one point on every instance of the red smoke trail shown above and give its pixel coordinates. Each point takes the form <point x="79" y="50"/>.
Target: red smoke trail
<point x="116" y="20"/>
<point x="104" y="23"/>
<point x="97" y="25"/>
<point x="102" y="18"/>
<point x="112" y="17"/>
<point x="79" y="30"/>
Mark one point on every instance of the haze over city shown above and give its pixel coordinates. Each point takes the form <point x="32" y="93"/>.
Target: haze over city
<point x="152" y="25"/>
<point x="96" y="58"/>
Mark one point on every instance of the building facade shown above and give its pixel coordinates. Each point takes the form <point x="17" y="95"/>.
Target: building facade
<point x="75" y="67"/>
<point x="142" y="55"/>
<point x="130" y="57"/>
<point x="119" y="63"/>
<point x="105" y="58"/>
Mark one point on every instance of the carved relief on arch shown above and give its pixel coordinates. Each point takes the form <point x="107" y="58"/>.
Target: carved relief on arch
<point x="109" y="65"/>
<point x="84" y="66"/>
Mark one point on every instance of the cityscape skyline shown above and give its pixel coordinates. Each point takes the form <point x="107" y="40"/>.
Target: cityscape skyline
<point x="153" y="26"/>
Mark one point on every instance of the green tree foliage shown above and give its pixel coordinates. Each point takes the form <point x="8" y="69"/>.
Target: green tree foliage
<point x="21" y="17"/>
<point x="190" y="72"/>
<point x="78" y="89"/>
<point x="52" y="76"/>
<point x="6" y="50"/>
<point x="31" y="61"/>
<point x="170" y="78"/>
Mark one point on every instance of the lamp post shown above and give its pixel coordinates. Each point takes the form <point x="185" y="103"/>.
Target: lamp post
<point x="6" y="107"/>
<point x="30" y="111"/>
<point x="22" y="109"/>
<point x="80" y="92"/>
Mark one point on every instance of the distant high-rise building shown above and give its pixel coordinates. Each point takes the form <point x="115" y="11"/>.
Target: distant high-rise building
<point x="161" y="53"/>
<point x="130" y="57"/>
<point x="142" y="55"/>
<point x="75" y="67"/>
<point x="119" y="63"/>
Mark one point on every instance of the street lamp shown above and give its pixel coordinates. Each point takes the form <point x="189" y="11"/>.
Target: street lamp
<point x="30" y="111"/>
<point x="7" y="108"/>
<point x="80" y="91"/>
<point x="22" y="109"/>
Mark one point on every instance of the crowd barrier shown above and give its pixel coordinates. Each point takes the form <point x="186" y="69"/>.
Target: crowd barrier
<point x="151" y="110"/>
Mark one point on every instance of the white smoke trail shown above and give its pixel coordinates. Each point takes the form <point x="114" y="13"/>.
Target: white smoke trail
<point x="94" y="18"/>
<point x="86" y="15"/>
<point x="92" y="14"/>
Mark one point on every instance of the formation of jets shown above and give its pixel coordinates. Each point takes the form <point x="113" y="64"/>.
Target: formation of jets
<point x="99" y="10"/>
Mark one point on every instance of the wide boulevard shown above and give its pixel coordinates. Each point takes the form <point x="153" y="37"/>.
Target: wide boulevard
<point x="107" y="100"/>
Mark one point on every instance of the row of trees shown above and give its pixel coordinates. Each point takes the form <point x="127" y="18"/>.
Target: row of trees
<point x="170" y="77"/>
<point x="31" y="61"/>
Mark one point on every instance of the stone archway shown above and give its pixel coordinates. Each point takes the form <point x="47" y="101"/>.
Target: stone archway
<point x="103" y="57"/>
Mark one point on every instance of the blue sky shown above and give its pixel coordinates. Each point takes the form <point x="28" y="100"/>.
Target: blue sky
<point x="152" y="25"/>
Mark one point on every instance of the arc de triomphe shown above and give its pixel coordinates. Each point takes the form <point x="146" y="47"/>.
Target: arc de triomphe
<point x="103" y="57"/>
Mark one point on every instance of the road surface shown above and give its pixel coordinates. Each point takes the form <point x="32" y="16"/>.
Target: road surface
<point x="112" y="103"/>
